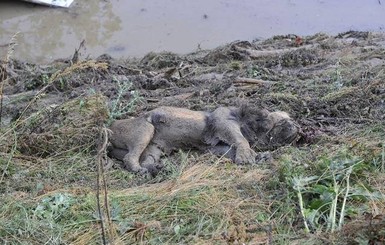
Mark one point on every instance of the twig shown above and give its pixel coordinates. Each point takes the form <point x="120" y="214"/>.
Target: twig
<point x="383" y="158"/>
<point x="75" y="56"/>
<point x="254" y="54"/>
<point x="99" y="208"/>
<point x="270" y="233"/>
<point x="3" y="76"/>
<point x="152" y="100"/>
<point x="99" y="173"/>
<point x="103" y="163"/>
<point x="334" y="119"/>
<point x="240" y="80"/>
<point x="101" y="160"/>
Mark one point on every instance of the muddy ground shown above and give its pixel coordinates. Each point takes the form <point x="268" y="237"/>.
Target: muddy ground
<point x="334" y="86"/>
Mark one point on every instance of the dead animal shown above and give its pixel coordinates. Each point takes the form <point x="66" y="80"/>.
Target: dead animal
<point x="230" y="131"/>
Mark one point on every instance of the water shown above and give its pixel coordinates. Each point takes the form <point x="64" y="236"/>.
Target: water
<point x="124" y="28"/>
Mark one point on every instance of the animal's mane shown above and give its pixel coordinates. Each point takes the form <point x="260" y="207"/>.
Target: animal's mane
<point x="252" y="121"/>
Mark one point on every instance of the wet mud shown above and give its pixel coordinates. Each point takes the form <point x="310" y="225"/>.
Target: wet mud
<point x="323" y="81"/>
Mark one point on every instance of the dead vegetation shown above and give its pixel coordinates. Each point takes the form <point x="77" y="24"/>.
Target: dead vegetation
<point x="327" y="189"/>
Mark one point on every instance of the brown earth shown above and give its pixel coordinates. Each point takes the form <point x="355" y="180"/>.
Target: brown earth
<point x="326" y="83"/>
<point x="332" y="85"/>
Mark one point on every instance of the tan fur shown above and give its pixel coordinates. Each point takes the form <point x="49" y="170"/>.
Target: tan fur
<point x="140" y="142"/>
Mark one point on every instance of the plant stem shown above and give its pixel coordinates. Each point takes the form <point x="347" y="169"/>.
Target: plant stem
<point x="333" y="208"/>
<point x="342" y="213"/>
<point x="299" y="195"/>
<point x="13" y="151"/>
<point x="383" y="158"/>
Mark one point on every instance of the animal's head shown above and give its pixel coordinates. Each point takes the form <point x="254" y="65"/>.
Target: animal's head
<point x="267" y="130"/>
<point x="281" y="129"/>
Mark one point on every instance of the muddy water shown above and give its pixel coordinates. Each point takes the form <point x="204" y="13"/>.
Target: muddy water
<point x="124" y="28"/>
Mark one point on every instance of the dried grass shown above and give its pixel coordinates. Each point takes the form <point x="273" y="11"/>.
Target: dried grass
<point x="207" y="191"/>
<point x="70" y="127"/>
<point x="3" y="70"/>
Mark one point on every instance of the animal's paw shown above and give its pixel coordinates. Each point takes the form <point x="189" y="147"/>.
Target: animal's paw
<point x="154" y="169"/>
<point x="245" y="155"/>
<point x="139" y="170"/>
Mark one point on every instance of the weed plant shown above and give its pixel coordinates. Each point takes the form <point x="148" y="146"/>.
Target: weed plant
<point x="119" y="107"/>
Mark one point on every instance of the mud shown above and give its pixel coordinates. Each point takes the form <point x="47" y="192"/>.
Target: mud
<point x="325" y="82"/>
<point x="134" y="28"/>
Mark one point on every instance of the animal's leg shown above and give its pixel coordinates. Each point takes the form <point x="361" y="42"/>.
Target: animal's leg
<point x="151" y="158"/>
<point x="223" y="150"/>
<point x="137" y="146"/>
<point x="228" y="130"/>
<point x="117" y="153"/>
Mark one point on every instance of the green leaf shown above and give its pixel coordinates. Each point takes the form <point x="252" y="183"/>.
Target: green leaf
<point x="177" y="229"/>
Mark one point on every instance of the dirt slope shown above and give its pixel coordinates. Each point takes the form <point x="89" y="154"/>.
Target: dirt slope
<point x="51" y="134"/>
